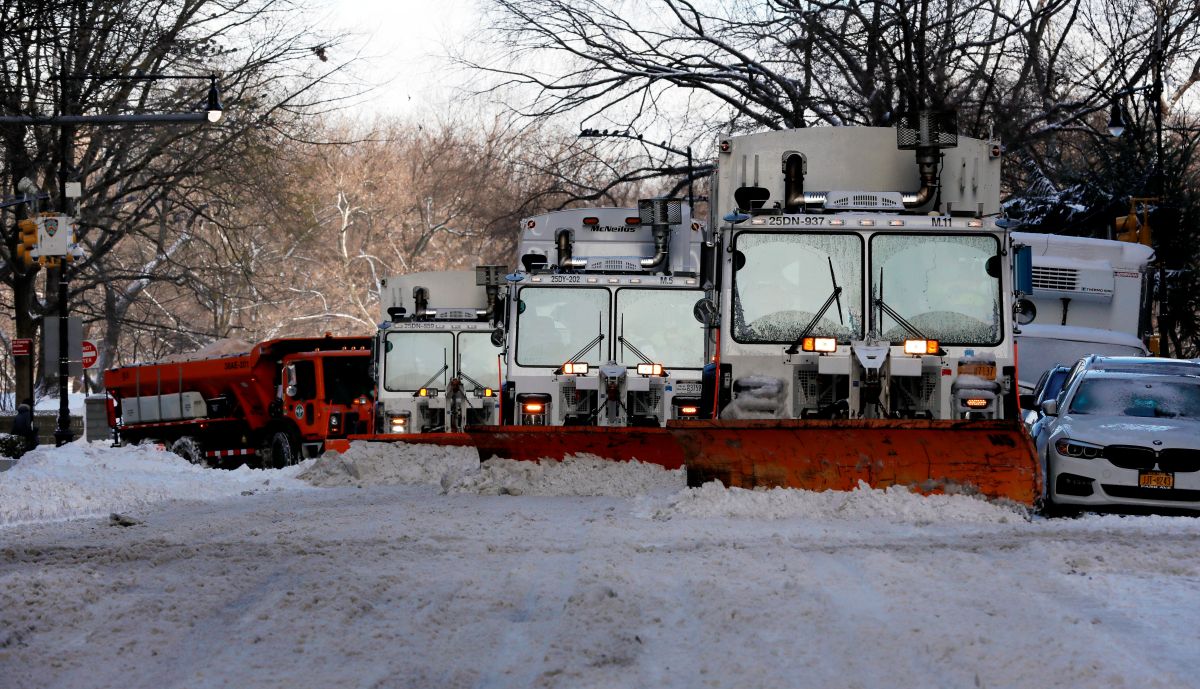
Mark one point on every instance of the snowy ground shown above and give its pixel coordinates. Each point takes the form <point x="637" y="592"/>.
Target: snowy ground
<point x="413" y="567"/>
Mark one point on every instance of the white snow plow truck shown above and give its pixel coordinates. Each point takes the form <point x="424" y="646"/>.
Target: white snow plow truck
<point x="864" y="302"/>
<point x="437" y="365"/>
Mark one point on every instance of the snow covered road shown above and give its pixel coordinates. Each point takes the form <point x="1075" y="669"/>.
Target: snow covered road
<point x="446" y="584"/>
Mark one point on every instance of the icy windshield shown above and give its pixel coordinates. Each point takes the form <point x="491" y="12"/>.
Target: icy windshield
<point x="786" y="279"/>
<point x="477" y="359"/>
<point x="940" y="284"/>
<point x="659" y="323"/>
<point x="411" y="358"/>
<point x="1140" y="397"/>
<point x="555" y="323"/>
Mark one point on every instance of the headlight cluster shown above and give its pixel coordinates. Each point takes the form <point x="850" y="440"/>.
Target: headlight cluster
<point x="1074" y="448"/>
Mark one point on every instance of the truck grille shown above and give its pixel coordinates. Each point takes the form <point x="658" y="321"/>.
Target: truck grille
<point x="1057" y="279"/>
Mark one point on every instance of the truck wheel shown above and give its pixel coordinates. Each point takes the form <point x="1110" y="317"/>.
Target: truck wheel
<point x="283" y="451"/>
<point x="188" y="448"/>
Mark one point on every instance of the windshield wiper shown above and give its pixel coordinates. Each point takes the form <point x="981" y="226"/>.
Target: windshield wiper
<point x="836" y="296"/>
<point x="637" y="352"/>
<point x="883" y="307"/>
<point x="434" y="376"/>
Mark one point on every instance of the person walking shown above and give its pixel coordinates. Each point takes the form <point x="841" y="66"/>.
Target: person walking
<point x="23" y="425"/>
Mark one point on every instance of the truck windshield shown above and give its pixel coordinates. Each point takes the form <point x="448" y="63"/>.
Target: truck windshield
<point x="347" y="378"/>
<point x="411" y="358"/>
<point x="940" y="284"/>
<point x="659" y="323"/>
<point x="785" y="280"/>
<point x="555" y="323"/>
<point x="477" y="359"/>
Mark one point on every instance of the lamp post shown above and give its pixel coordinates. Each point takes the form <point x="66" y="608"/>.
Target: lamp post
<point x="1116" y="127"/>
<point x="66" y="123"/>
<point x="597" y="133"/>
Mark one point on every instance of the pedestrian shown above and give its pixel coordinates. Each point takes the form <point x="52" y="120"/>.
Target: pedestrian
<point x="23" y="425"/>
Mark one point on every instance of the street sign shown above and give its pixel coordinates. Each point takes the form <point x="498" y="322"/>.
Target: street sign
<point x="22" y="346"/>
<point x="55" y="235"/>
<point x="89" y="354"/>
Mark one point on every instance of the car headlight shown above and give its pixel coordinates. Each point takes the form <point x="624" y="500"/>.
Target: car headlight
<point x="1073" y="448"/>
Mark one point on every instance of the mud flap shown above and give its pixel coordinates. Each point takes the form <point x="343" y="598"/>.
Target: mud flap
<point x="992" y="458"/>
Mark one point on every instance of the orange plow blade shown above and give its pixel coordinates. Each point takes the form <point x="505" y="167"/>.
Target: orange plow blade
<point x="994" y="458"/>
<point x="650" y="445"/>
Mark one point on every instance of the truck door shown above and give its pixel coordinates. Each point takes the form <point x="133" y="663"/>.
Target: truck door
<point x="299" y="393"/>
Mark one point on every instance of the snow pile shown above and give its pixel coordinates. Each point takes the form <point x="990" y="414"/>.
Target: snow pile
<point x="389" y="464"/>
<point x="575" y="475"/>
<point x="212" y="350"/>
<point x="458" y="470"/>
<point x="894" y="504"/>
<point x="87" y="479"/>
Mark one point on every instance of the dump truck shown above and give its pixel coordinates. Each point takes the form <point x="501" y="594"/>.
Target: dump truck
<point x="438" y="366"/>
<point x="599" y="326"/>
<point x="274" y="405"/>
<point x="864" y="305"/>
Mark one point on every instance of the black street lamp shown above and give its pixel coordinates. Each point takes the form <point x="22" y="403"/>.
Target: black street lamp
<point x="597" y="133"/>
<point x="66" y="122"/>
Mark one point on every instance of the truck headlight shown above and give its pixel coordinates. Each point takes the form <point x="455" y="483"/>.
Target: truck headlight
<point x="398" y="423"/>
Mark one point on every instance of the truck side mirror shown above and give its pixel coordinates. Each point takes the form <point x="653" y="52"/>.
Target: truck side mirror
<point x="1023" y="269"/>
<point x="498" y="337"/>
<point x="705" y="312"/>
<point x="1024" y="311"/>
<point x="290" y="390"/>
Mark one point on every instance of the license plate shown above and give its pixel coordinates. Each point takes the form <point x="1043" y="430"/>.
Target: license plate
<point x="1156" y="479"/>
<point x="987" y="371"/>
<point x="687" y="388"/>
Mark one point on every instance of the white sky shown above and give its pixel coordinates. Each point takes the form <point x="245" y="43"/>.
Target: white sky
<point x="405" y="44"/>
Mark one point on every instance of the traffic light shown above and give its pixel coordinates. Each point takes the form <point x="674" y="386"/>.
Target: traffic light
<point x="1131" y="227"/>
<point x="28" y="242"/>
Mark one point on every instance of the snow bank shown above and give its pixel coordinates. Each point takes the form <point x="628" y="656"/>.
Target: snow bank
<point x="458" y="470"/>
<point x="895" y="504"/>
<point x="212" y="350"/>
<point x="86" y="479"/>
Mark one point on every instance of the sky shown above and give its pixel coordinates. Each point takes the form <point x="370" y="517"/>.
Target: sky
<point x="405" y="46"/>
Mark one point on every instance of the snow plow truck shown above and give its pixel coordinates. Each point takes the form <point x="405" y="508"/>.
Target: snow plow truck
<point x="864" y="315"/>
<point x="274" y="405"/>
<point x="438" y="367"/>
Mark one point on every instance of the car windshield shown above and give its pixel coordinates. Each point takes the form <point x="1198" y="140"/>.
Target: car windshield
<point x="412" y="358"/>
<point x="555" y="323"/>
<point x="940" y="284"/>
<point x="786" y="278"/>
<point x="347" y="378"/>
<point x="659" y="323"/>
<point x="477" y="359"/>
<point x="1137" y="396"/>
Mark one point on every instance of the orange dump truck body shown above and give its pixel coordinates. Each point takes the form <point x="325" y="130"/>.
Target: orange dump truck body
<point x="230" y="404"/>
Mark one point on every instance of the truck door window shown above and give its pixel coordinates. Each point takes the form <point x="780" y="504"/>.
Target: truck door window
<point x="305" y="381"/>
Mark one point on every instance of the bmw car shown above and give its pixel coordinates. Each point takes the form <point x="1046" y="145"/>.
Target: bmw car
<point x="1124" y="439"/>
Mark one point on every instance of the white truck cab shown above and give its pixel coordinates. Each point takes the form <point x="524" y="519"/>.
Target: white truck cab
<point x="600" y="329"/>
<point x="857" y="282"/>
<point x="438" y="355"/>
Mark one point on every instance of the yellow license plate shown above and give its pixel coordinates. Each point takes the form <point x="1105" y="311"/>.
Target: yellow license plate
<point x="1156" y="479"/>
<point x="982" y="370"/>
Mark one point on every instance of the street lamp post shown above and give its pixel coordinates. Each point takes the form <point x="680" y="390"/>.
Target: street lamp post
<point x="597" y="133"/>
<point x="66" y="123"/>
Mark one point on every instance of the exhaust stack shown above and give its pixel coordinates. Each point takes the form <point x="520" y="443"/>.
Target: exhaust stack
<point x="660" y="213"/>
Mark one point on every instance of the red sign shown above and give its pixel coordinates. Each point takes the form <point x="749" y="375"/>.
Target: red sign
<point x="89" y="354"/>
<point x="22" y="346"/>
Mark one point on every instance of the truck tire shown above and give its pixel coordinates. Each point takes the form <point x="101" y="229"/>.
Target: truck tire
<point x="189" y="448"/>
<point x="283" y="451"/>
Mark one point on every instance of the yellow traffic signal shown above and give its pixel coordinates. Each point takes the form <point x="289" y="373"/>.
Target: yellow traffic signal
<point x="28" y="241"/>
<point x="1131" y="228"/>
